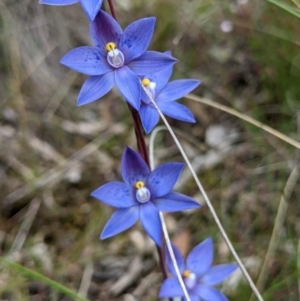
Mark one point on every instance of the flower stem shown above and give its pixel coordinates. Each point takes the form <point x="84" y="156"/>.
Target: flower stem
<point x="112" y="9"/>
<point x="141" y="143"/>
<point x="142" y="148"/>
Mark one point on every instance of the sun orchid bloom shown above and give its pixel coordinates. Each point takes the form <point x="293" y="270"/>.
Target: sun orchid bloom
<point x="142" y="195"/>
<point x="164" y="94"/>
<point x="118" y="57"/>
<point x="197" y="273"/>
<point x="91" y="7"/>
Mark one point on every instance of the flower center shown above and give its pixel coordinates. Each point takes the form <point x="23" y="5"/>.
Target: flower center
<point x="142" y="193"/>
<point x="114" y="56"/>
<point x="149" y="86"/>
<point x="189" y="279"/>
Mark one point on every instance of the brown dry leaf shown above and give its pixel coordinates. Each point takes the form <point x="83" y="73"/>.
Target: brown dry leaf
<point x="182" y="240"/>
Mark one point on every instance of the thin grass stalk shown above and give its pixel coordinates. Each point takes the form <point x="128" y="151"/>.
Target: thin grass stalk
<point x="208" y="202"/>
<point x="164" y="226"/>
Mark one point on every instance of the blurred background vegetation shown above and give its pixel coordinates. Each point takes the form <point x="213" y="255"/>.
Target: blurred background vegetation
<point x="53" y="154"/>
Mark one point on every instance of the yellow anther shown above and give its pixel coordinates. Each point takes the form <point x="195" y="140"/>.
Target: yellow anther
<point x="139" y="184"/>
<point x="110" y="46"/>
<point x="146" y="82"/>
<point x="186" y="273"/>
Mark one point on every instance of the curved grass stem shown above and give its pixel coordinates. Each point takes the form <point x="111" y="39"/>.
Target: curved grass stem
<point x="208" y="202"/>
<point x="246" y="118"/>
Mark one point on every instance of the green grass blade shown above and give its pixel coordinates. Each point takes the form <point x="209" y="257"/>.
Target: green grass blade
<point x="296" y="2"/>
<point x="39" y="277"/>
<point x="288" y="8"/>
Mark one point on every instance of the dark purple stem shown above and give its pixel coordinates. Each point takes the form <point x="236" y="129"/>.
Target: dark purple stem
<point x="141" y="143"/>
<point x="142" y="148"/>
<point x="112" y="9"/>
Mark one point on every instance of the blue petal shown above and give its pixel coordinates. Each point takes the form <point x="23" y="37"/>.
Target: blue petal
<point x="58" y="2"/>
<point x="177" y="89"/>
<point x="150" y="220"/>
<point x="105" y="29"/>
<point x="168" y="52"/>
<point x="149" y="117"/>
<point x="129" y="86"/>
<point x="193" y="297"/>
<point x="176" y="110"/>
<point x="87" y="60"/>
<point x="121" y="220"/>
<point x="160" y="78"/>
<point x="91" y="7"/>
<point x="200" y="258"/>
<point x="163" y="178"/>
<point x="208" y="293"/>
<point x="95" y="87"/>
<point x="174" y="202"/>
<point x="170" y="288"/>
<point x="145" y="99"/>
<point x="218" y="273"/>
<point x="134" y="168"/>
<point x="151" y="62"/>
<point x="136" y="38"/>
<point x="179" y="259"/>
<point x="115" y="194"/>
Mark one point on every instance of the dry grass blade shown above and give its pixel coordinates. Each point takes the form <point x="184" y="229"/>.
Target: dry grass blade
<point x="25" y="172"/>
<point x="279" y="220"/>
<point x="44" y="149"/>
<point x="86" y="280"/>
<point x="132" y="274"/>
<point x="26" y="225"/>
<point x="55" y="174"/>
<point x="298" y="265"/>
<point x="60" y="94"/>
<point x="246" y="118"/>
<point x="147" y="282"/>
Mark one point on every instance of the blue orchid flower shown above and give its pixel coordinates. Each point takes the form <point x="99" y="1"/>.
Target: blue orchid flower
<point x="142" y="195"/>
<point x="198" y="274"/>
<point x="164" y="94"/>
<point x="91" y="7"/>
<point x="117" y="58"/>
